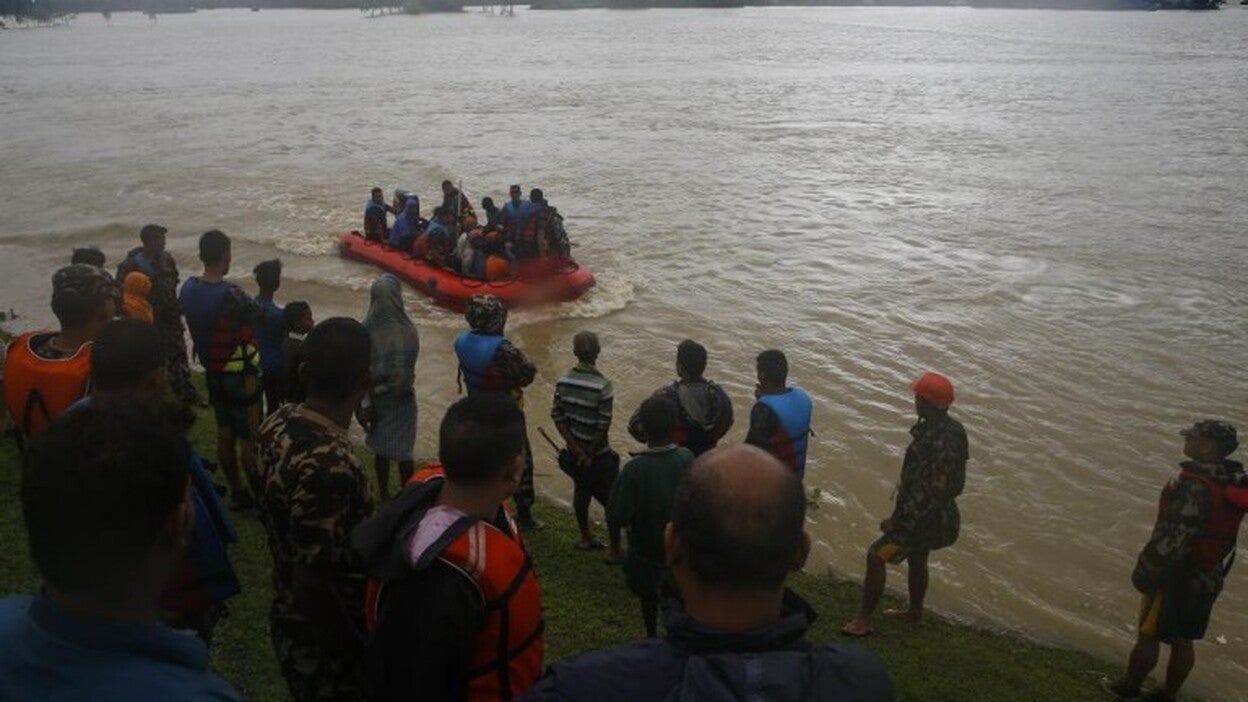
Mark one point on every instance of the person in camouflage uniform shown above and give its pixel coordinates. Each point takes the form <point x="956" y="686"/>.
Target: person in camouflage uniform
<point x="508" y="371"/>
<point x="152" y="260"/>
<point x="312" y="494"/>
<point x="1181" y="569"/>
<point x="925" y="516"/>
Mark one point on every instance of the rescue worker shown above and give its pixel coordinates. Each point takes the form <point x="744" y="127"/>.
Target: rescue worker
<point x="407" y="225"/>
<point x="737" y="531"/>
<point x="375" y="211"/>
<point x="154" y="261"/>
<point x="221" y="317"/>
<point x="490" y="363"/>
<point x="313" y="493"/>
<point x="46" y="372"/>
<point x="780" y="419"/>
<point x="1182" y="568"/>
<point x="270" y="332"/>
<point x="456" y="204"/>
<point x="517" y="224"/>
<point x="925" y="516"/>
<point x="705" y="412"/>
<point x="455" y="608"/>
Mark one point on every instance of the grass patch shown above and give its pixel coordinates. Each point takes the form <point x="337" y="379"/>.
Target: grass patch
<point x="587" y="607"/>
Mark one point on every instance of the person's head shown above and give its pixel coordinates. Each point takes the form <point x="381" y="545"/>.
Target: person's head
<point x="214" y="251"/>
<point x="737" y="525"/>
<point x="447" y="187"/>
<point x="933" y="393"/>
<point x="514" y="192"/>
<point x="400" y="198"/>
<point x="89" y="255"/>
<point x="772" y="369"/>
<point x="536" y="196"/>
<point x="690" y="360"/>
<point x="137" y="284"/>
<point x="378" y="195"/>
<point x="1209" y="440"/>
<point x="84" y="298"/>
<point x="658" y="420"/>
<point x="586" y="347"/>
<point x="486" y="314"/>
<point x="127" y="357"/>
<point x="487" y="203"/>
<point x="335" y="367"/>
<point x="153" y="238"/>
<point x="106" y="503"/>
<point x="268" y="275"/>
<point x="297" y="317"/>
<point x="481" y="444"/>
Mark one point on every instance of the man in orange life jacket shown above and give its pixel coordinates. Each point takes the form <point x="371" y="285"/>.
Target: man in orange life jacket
<point x="455" y="609"/>
<point x="46" y="372"/>
<point x="1183" y="566"/>
<point x="780" y="420"/>
<point x="489" y="363"/>
<point x="705" y="412"/>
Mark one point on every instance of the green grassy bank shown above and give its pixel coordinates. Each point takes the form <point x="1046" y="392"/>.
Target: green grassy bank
<point x="588" y="606"/>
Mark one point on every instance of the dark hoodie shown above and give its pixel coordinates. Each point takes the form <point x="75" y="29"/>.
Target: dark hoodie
<point x="428" y="614"/>
<point x="695" y="662"/>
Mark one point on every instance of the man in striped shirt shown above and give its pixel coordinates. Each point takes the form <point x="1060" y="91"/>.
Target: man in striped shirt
<point x="582" y="413"/>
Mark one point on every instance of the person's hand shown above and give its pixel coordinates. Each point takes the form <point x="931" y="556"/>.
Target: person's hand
<point x="887" y="526"/>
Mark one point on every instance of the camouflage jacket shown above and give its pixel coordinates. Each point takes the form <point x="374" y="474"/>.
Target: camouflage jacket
<point x="1163" y="561"/>
<point x="312" y="493"/>
<point x="933" y="473"/>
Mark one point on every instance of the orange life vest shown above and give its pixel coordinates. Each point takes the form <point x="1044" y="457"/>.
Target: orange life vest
<point x="507" y="659"/>
<point x="37" y="390"/>
<point x="1215" y="544"/>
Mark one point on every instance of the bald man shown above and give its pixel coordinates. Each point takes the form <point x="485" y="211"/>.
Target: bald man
<point x="735" y="535"/>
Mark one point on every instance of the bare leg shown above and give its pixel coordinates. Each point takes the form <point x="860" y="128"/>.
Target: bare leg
<point x="872" y="587"/>
<point x="917" y="581"/>
<point x="650" y="616"/>
<point x="580" y="507"/>
<point x="1182" y="660"/>
<point x="1143" y="659"/>
<point x="381" y="466"/>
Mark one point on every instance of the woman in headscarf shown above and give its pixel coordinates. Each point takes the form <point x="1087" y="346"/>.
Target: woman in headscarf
<point x="136" y="289"/>
<point x="390" y="418"/>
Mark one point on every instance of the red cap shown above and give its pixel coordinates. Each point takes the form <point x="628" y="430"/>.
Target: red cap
<point x="935" y="388"/>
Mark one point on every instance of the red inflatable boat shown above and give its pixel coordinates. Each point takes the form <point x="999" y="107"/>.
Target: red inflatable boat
<point x="562" y="281"/>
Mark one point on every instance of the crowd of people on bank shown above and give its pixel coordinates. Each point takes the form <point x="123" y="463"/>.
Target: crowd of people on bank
<point x="515" y="239"/>
<point x="431" y="593"/>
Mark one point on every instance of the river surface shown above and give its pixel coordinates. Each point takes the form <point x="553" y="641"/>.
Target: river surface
<point x="1049" y="207"/>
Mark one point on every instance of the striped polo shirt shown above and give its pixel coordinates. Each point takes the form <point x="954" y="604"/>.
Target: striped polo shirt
<point x="584" y="399"/>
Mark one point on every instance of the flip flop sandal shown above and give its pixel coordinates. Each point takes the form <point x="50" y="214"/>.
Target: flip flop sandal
<point x="856" y="629"/>
<point x="592" y="545"/>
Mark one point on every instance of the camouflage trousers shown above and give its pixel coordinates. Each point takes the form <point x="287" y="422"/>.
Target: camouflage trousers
<point x="311" y="675"/>
<point x="525" y="494"/>
<point x="177" y="366"/>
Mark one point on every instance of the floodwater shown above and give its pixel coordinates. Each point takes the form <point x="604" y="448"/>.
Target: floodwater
<point x="1049" y="207"/>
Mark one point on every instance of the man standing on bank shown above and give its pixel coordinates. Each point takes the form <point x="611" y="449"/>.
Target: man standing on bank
<point x="780" y="420"/>
<point x="925" y="516"/>
<point x="704" y="412"/>
<point x="582" y="409"/>
<point x="1182" y="568"/>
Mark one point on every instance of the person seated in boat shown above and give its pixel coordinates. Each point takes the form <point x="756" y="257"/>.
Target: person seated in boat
<point x="401" y="196"/>
<point x="375" y="223"/>
<point x="496" y="263"/>
<point x="455" y="202"/>
<point x="493" y="215"/>
<point x="437" y="244"/>
<point x="407" y="226"/>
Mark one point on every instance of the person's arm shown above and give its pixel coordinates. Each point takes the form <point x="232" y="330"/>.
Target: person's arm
<point x="514" y="365"/>
<point x="425" y="639"/>
<point x="1170" y="543"/>
<point x="763" y="425"/>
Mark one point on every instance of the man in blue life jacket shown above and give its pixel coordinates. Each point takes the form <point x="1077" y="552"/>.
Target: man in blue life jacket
<point x="780" y="420"/>
<point x="407" y="225"/>
<point x="127" y="366"/>
<point x="489" y="363"/>
<point x="736" y="532"/>
<point x="705" y="412"/>
<point x="106" y="500"/>
<point x="516" y="220"/>
<point x="375" y="211"/>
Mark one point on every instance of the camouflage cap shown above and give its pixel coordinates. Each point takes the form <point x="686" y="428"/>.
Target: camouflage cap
<point x="486" y="313"/>
<point x="82" y="284"/>
<point x="1221" y="432"/>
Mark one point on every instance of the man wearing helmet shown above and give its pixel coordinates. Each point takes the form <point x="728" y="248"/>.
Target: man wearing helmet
<point x="489" y="363"/>
<point x="925" y="516"/>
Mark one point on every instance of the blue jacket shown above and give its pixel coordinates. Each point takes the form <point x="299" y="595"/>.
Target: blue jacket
<point x="774" y="663"/>
<point x="49" y="654"/>
<point x="404" y="232"/>
<point x="793" y="410"/>
<point x="476" y="355"/>
<point x="515" y="217"/>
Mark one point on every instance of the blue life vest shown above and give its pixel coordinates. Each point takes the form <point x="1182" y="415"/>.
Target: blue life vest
<point x="476" y="356"/>
<point x="140" y="260"/>
<point x="793" y="408"/>
<point x="517" y="217"/>
<point x="375" y="208"/>
<point x="201" y="303"/>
